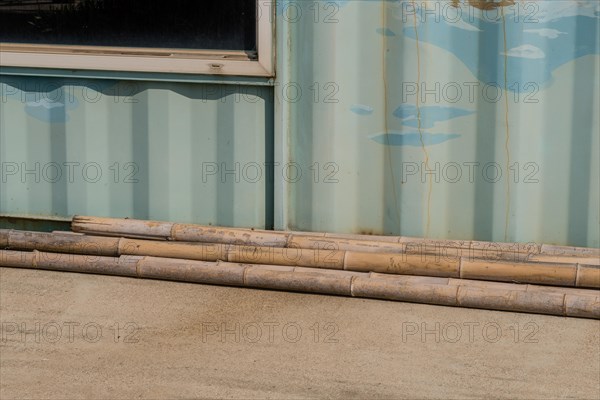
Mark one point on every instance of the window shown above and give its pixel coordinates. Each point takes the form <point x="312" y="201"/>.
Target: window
<point x="232" y="37"/>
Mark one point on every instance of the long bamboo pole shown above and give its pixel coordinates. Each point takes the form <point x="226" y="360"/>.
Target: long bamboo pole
<point x="570" y="275"/>
<point x="440" y="291"/>
<point x="364" y="243"/>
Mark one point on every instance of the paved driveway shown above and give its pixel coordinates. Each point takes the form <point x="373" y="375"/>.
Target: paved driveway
<point x="73" y="336"/>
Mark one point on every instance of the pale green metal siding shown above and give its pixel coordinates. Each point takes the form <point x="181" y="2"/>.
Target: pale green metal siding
<point x="379" y="137"/>
<point x="157" y="150"/>
<point x="342" y="122"/>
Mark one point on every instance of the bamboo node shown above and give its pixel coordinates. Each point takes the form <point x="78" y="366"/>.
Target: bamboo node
<point x="344" y="266"/>
<point x="352" y="278"/>
<point x="173" y="232"/>
<point x="120" y="246"/>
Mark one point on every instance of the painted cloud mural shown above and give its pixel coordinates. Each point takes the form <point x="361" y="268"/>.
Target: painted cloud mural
<point x="511" y="45"/>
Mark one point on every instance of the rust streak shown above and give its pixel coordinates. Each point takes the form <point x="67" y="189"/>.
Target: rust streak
<point x="385" y="112"/>
<point x="506" y="121"/>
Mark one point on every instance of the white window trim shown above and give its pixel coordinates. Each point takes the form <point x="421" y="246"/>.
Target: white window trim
<point x="213" y="62"/>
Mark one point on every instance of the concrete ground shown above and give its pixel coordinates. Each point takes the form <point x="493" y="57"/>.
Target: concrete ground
<point x="70" y="336"/>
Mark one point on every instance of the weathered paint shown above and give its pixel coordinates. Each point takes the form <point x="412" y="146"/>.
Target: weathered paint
<point x="356" y="124"/>
<point x="528" y="75"/>
<point x="162" y="150"/>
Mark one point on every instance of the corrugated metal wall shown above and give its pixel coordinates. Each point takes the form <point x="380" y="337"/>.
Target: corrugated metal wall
<point x="169" y="151"/>
<point x="441" y="118"/>
<point x="423" y="118"/>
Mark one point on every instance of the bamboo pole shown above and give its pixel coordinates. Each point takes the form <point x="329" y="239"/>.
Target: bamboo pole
<point x="195" y="233"/>
<point x="518" y="286"/>
<point x="547" y="274"/>
<point x="449" y="250"/>
<point x="512" y="297"/>
<point x="132" y="228"/>
<point x="549" y="249"/>
<point x="324" y="243"/>
<point x="364" y="243"/>
<point x="192" y="251"/>
<point x="542" y="258"/>
<point x="61" y="242"/>
<point x="570" y="275"/>
<point x="403" y="264"/>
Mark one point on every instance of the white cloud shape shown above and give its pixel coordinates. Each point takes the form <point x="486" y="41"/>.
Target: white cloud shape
<point x="45" y="103"/>
<point x="532" y="11"/>
<point x="464" y="25"/>
<point x="526" y="51"/>
<point x="548" y="33"/>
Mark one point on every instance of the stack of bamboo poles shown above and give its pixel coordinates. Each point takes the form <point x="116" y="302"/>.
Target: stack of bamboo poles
<point x="531" y="278"/>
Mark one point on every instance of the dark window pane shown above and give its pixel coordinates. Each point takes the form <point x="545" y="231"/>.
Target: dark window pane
<point x="182" y="24"/>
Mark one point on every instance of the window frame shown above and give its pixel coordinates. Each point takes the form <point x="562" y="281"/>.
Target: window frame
<point x="163" y="60"/>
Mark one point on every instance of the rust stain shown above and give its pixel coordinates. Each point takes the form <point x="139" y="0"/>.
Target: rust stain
<point x="385" y="111"/>
<point x="506" y="121"/>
